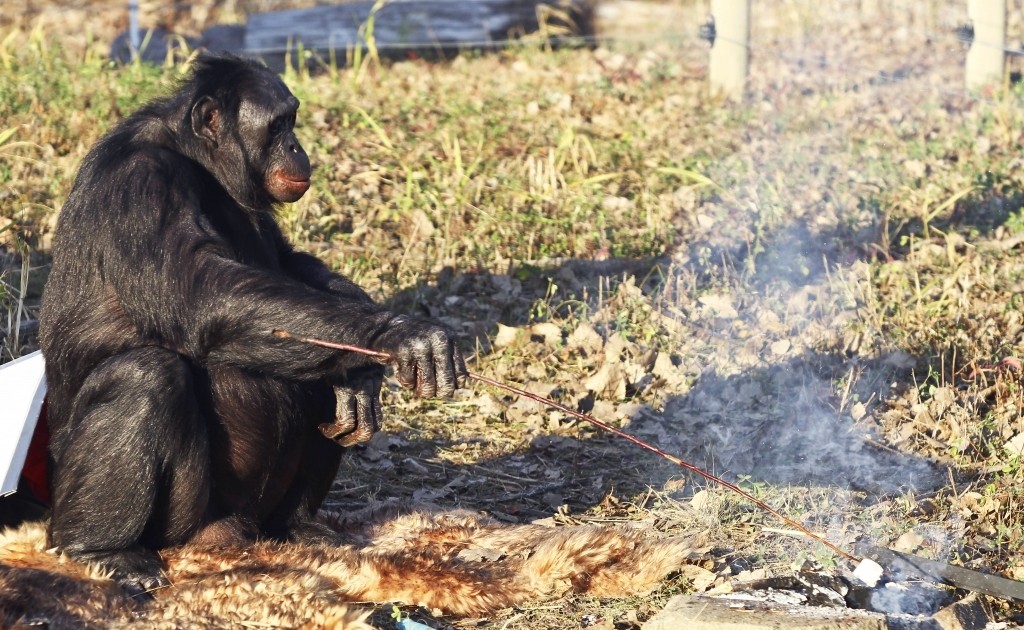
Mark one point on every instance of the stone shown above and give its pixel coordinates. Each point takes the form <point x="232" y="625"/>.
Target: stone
<point x="970" y="613"/>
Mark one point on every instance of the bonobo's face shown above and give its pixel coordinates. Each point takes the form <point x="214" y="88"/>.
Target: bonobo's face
<point x="248" y="139"/>
<point x="266" y="122"/>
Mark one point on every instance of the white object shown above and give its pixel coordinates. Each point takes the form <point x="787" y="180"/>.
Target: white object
<point x="869" y="572"/>
<point x="22" y="389"/>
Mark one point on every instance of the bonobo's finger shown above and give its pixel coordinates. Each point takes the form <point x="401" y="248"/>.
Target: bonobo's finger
<point x="451" y="368"/>
<point x="369" y="414"/>
<point x="346" y="413"/>
<point x="344" y="416"/>
<point x="426" y="375"/>
<point x="461" y="373"/>
<point x="405" y="367"/>
<point x="357" y="410"/>
<point x="424" y="356"/>
<point x="444" y="365"/>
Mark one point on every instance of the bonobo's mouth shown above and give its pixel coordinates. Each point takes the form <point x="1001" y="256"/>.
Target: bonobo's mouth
<point x="285" y="187"/>
<point x="295" y="186"/>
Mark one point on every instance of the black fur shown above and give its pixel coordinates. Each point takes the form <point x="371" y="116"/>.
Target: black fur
<point x="176" y="414"/>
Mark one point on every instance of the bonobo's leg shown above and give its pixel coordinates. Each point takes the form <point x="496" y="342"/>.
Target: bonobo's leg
<point x="134" y="472"/>
<point x="294" y="517"/>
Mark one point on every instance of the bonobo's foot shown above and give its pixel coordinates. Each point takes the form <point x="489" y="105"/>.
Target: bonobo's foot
<point x="137" y="570"/>
<point x="313" y="533"/>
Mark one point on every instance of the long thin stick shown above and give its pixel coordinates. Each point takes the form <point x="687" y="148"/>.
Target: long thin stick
<point x="382" y="356"/>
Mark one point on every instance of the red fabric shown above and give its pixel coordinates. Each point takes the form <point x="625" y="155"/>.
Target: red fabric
<point x="34" y="472"/>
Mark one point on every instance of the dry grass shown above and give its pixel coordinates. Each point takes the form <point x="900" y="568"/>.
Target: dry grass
<point x="817" y="293"/>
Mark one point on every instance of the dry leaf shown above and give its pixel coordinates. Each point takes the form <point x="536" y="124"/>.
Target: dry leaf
<point x="550" y="333"/>
<point x="487" y="405"/>
<point x="615" y="348"/>
<point x="718" y="306"/>
<point x="526" y="404"/>
<point x="701" y="501"/>
<point x="908" y="542"/>
<point x="506" y="336"/>
<point x="480" y="554"/>
<point x="608" y="382"/>
<point x="586" y="339"/>
<point x="700" y="578"/>
<point x="1015" y="445"/>
<point x="665" y="369"/>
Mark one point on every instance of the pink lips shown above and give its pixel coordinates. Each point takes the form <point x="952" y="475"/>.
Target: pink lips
<point x="298" y="186"/>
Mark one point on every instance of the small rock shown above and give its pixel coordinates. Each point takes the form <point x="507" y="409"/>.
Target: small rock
<point x="868" y="572"/>
<point x="970" y="613"/>
<point x="553" y="499"/>
<point x="858" y="411"/>
<point x="617" y="204"/>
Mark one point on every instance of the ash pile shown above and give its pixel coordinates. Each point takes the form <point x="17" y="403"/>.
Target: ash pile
<point x="909" y="593"/>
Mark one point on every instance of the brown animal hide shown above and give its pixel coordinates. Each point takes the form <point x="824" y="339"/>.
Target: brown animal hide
<point x="459" y="562"/>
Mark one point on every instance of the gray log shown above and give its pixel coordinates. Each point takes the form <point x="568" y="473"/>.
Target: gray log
<point x="908" y="566"/>
<point x="398" y="25"/>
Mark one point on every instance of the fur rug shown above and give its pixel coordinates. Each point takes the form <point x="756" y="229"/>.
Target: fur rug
<point x="458" y="562"/>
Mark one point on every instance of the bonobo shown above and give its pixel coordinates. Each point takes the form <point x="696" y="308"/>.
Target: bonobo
<point x="176" y="414"/>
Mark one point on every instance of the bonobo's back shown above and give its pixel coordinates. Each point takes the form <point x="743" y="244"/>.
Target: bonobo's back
<point x="82" y="321"/>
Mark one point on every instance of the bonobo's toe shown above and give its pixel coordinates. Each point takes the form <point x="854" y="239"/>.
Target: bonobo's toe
<point x="313" y="533"/>
<point x="141" y="586"/>
<point x="138" y="571"/>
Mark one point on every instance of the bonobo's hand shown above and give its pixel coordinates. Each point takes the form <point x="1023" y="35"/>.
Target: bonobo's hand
<point x="424" y="356"/>
<point x="358" y="415"/>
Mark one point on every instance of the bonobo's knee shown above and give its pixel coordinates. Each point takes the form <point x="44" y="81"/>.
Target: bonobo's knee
<point x="156" y="369"/>
<point x="150" y="380"/>
<point x="144" y="395"/>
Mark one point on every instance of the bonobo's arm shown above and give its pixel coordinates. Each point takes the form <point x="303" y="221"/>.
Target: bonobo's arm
<point x="240" y="306"/>
<point x="358" y="413"/>
<point x="410" y="373"/>
<point x="181" y="286"/>
<point x="311" y="271"/>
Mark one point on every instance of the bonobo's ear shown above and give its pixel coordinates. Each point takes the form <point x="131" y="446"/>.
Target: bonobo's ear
<point x="206" y="119"/>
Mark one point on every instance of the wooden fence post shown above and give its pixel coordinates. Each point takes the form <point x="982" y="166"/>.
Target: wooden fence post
<point x="730" y="52"/>
<point x="133" y="27"/>
<point x="987" y="57"/>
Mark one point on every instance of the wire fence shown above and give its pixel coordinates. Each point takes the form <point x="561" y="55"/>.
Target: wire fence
<point x="681" y="26"/>
<point x="678" y="26"/>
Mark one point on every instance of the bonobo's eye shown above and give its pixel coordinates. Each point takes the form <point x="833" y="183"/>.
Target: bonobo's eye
<point x="282" y="124"/>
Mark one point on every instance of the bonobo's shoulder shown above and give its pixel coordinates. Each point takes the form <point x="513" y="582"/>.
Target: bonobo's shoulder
<point x="140" y="152"/>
